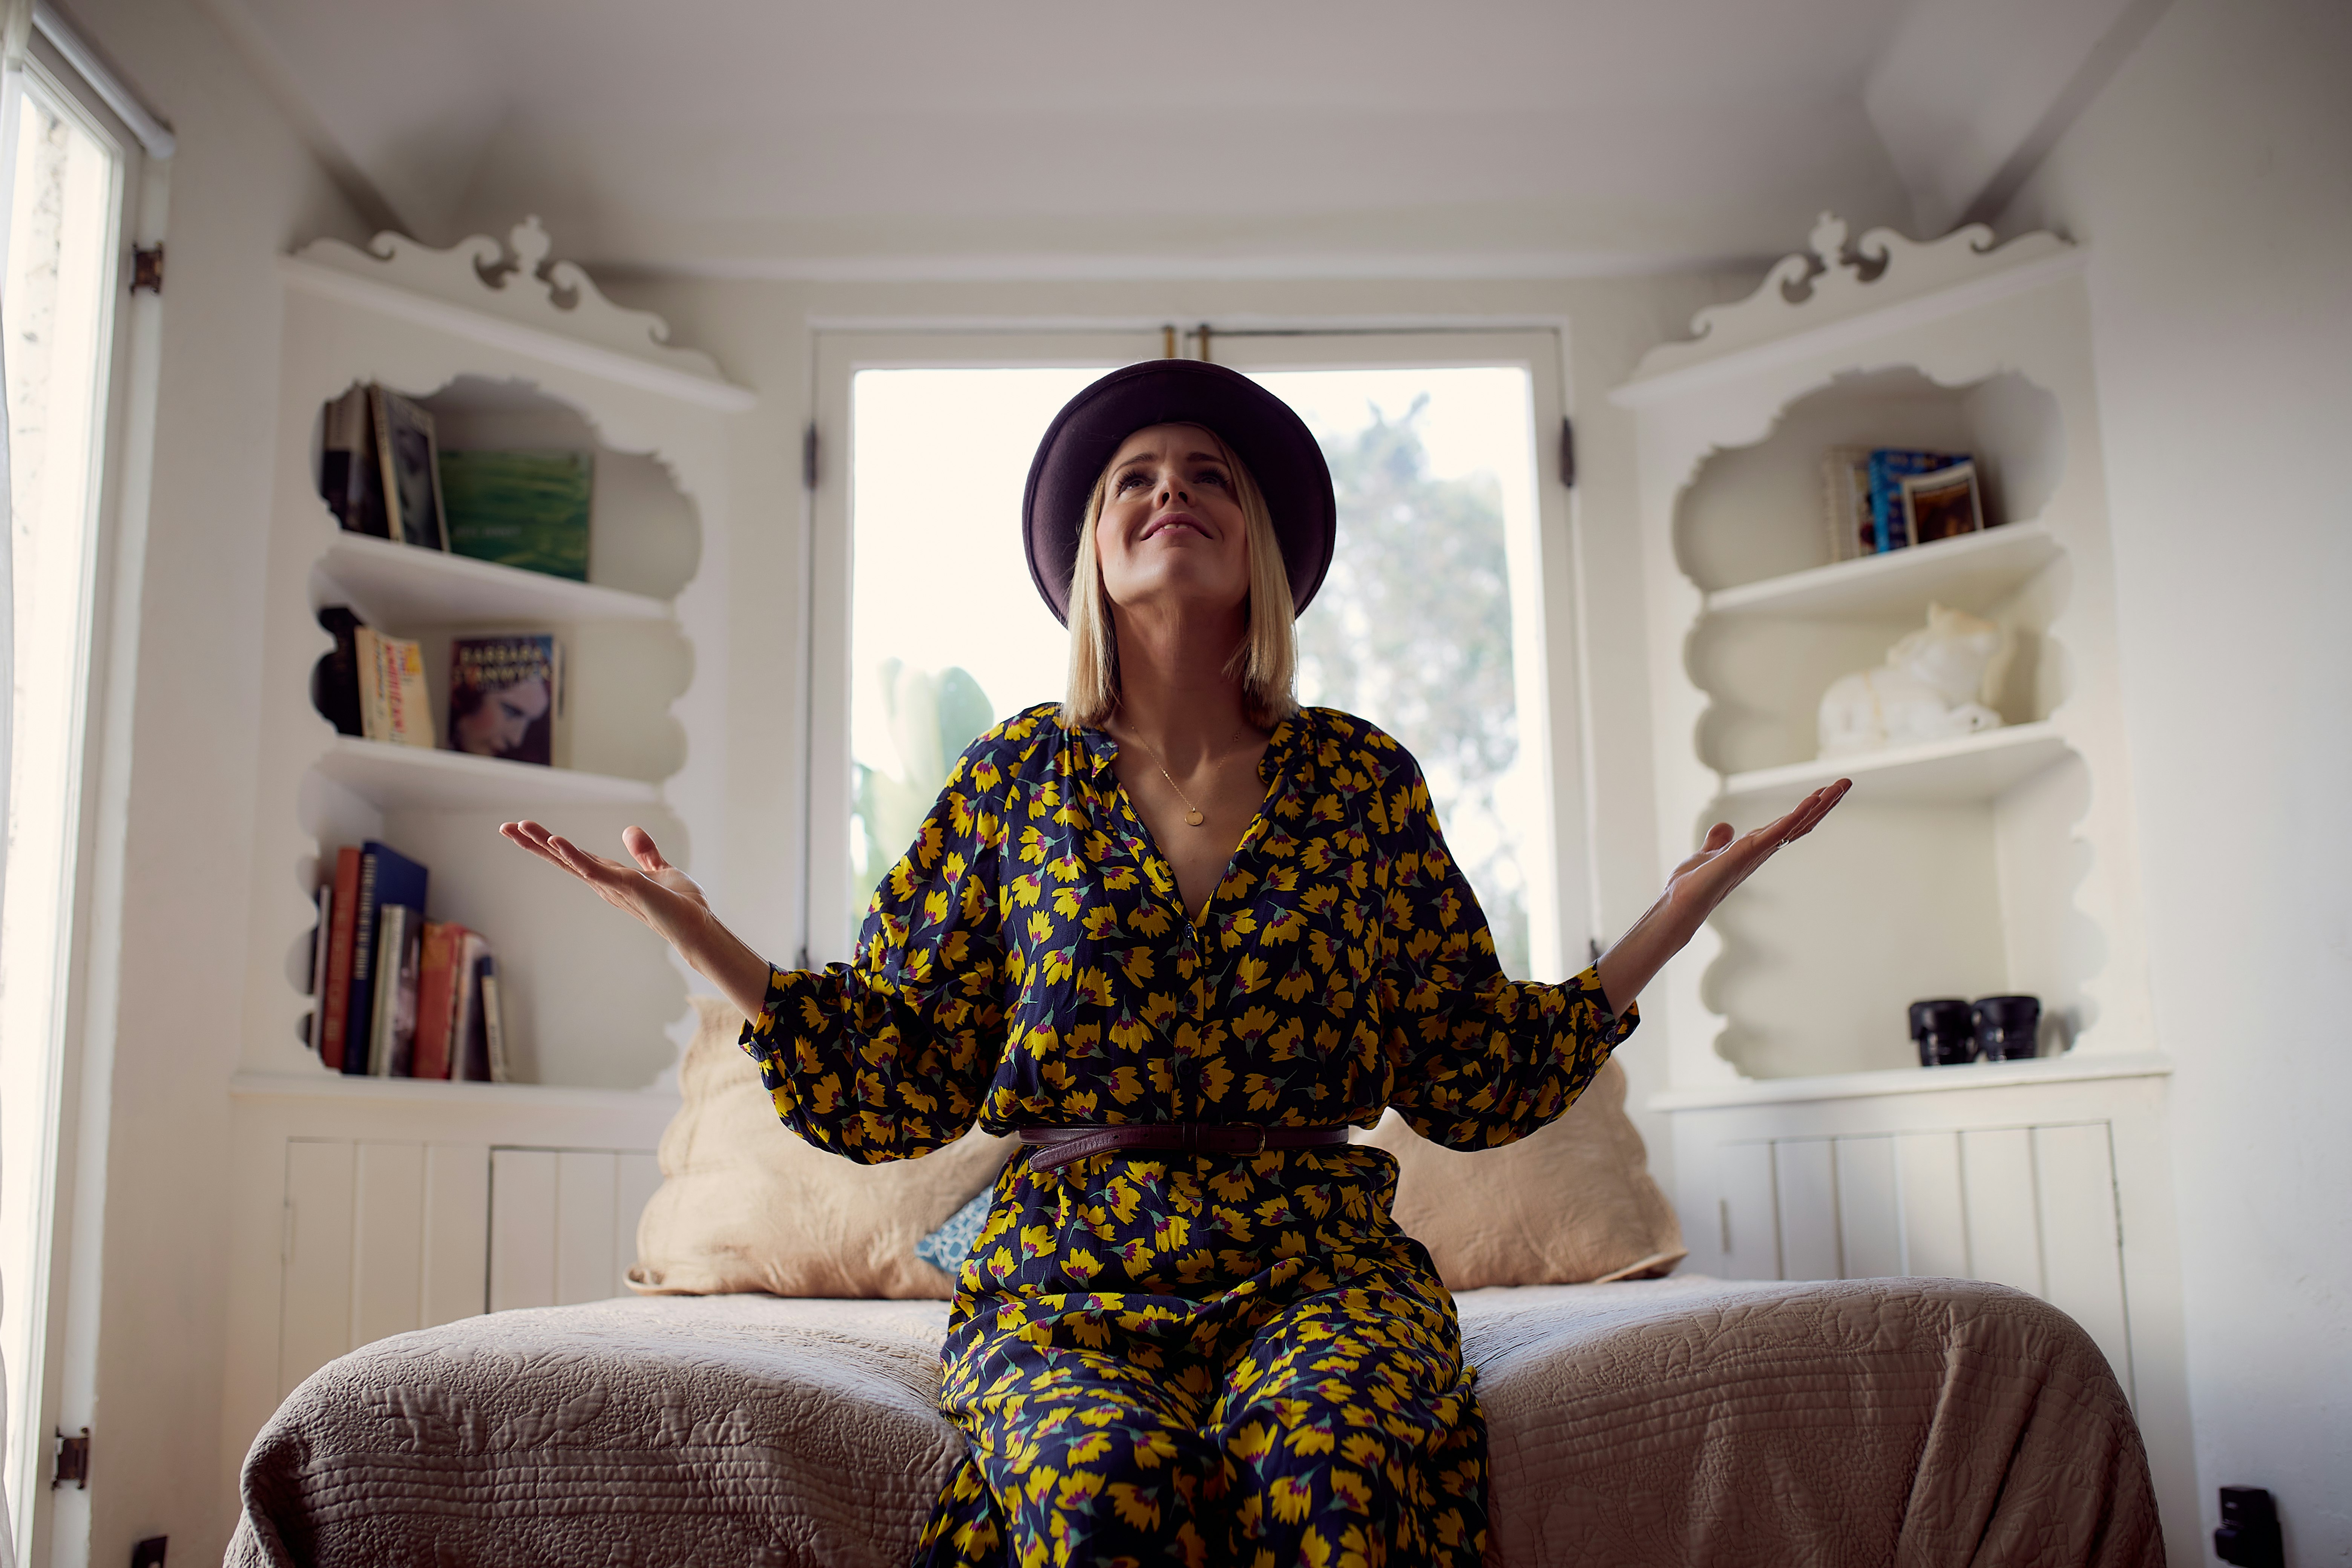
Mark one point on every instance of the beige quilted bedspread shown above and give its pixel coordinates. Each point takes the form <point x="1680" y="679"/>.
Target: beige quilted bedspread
<point x="1654" y="1422"/>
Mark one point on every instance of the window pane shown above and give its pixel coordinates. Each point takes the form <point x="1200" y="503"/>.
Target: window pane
<point x="947" y="635"/>
<point x="55" y="315"/>
<point x="1415" y="627"/>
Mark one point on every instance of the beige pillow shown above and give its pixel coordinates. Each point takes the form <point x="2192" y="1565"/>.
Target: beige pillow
<point x="1572" y="1203"/>
<point x="749" y="1206"/>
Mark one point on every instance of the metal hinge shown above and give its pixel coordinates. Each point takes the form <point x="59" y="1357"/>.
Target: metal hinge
<point x="149" y="1554"/>
<point x="73" y="1461"/>
<point x="808" y="456"/>
<point x="1567" y="452"/>
<point x="147" y="268"/>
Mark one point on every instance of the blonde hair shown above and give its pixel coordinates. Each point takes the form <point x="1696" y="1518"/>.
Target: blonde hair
<point x="1266" y="659"/>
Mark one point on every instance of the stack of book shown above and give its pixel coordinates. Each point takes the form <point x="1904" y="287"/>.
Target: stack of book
<point x="399" y="995"/>
<point x="1878" y="499"/>
<point x="382" y="472"/>
<point x="504" y="693"/>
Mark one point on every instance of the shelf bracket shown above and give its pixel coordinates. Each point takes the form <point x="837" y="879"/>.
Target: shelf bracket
<point x="1567" y="453"/>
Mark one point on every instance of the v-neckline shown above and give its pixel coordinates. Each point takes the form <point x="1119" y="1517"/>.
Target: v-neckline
<point x="1251" y="831"/>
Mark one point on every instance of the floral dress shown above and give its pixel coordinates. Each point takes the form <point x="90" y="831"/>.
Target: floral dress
<point x="1170" y="1358"/>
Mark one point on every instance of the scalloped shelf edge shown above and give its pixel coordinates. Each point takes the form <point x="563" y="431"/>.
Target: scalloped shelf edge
<point x="359" y="563"/>
<point x="2013" y="550"/>
<point x="1971" y="768"/>
<point x="394" y="775"/>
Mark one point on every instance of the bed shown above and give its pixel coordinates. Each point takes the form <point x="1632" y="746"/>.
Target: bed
<point x="1682" y="1420"/>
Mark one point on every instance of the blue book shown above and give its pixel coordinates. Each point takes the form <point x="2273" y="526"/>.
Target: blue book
<point x="386" y="877"/>
<point x="1889" y="466"/>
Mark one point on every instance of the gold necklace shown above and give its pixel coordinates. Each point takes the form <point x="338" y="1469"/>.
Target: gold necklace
<point x="1192" y="814"/>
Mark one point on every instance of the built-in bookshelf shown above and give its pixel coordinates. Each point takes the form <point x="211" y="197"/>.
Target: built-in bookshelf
<point x="1980" y="864"/>
<point x="506" y="351"/>
<point x="1807" y="1142"/>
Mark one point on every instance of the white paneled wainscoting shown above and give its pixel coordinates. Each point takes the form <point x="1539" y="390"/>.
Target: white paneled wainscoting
<point x="2033" y="1207"/>
<point x="369" y="1208"/>
<point x="2045" y="1175"/>
<point x="382" y="1238"/>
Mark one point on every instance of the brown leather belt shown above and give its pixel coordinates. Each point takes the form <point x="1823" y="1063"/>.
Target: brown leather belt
<point x="1057" y="1146"/>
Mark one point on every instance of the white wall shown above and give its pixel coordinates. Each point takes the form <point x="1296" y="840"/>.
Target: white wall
<point x="241" y="190"/>
<point x="2212" y="180"/>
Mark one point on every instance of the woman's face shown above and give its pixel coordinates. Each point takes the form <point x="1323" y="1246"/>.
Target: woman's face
<point x="498" y="726"/>
<point x="1171" y="530"/>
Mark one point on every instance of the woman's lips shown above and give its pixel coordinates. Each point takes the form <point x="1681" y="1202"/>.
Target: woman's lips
<point x="1175" y="520"/>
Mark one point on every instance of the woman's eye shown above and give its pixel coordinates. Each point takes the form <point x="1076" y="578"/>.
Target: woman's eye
<point x="1128" y="481"/>
<point x="1210" y="477"/>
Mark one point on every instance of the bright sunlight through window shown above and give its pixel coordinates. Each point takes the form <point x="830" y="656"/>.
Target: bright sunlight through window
<point x="56" y="314"/>
<point x="1413" y="628"/>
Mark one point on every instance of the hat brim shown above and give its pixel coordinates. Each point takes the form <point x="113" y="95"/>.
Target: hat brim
<point x="1271" y="440"/>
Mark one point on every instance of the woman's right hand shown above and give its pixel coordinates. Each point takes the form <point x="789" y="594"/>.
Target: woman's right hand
<point x="666" y="899"/>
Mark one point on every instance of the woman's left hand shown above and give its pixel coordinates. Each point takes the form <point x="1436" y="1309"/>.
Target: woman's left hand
<point x="1726" y="859"/>
<point x="1700" y="883"/>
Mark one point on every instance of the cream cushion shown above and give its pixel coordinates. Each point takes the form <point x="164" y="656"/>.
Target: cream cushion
<point x="1572" y="1203"/>
<point x="747" y="1205"/>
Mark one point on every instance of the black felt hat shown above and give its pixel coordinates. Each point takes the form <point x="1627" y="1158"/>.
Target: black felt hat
<point x="1272" y="442"/>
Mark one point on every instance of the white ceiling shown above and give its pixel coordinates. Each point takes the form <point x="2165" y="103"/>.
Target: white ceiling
<point x="1099" y="137"/>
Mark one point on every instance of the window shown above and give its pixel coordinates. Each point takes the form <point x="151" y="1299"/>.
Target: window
<point x="1433" y="622"/>
<point x="69" y="165"/>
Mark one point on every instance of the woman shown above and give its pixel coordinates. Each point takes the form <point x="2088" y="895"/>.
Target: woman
<point x="1180" y="935"/>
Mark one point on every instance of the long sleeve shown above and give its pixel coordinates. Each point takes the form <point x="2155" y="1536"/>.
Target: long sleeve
<point x="1476" y="1059"/>
<point x="889" y="1057"/>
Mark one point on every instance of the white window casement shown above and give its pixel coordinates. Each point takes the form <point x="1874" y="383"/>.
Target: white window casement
<point x="80" y="190"/>
<point x="1448" y="617"/>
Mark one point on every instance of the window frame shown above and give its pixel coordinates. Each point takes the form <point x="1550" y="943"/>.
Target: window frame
<point x="53" y="1359"/>
<point x="1562" y="888"/>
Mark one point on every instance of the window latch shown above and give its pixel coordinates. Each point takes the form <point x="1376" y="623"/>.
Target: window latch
<point x="73" y="1461"/>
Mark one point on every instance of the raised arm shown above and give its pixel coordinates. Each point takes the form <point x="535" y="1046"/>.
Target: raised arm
<point x="885" y="1058"/>
<point x="666" y="899"/>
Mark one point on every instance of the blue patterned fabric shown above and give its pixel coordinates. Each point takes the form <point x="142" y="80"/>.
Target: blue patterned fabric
<point x="945" y="1247"/>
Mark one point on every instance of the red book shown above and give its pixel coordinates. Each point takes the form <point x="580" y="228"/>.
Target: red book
<point x="436" y="998"/>
<point x="337" y="990"/>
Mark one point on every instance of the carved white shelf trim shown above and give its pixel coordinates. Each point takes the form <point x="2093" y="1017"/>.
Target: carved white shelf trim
<point x="1826" y="300"/>
<point x="509" y="296"/>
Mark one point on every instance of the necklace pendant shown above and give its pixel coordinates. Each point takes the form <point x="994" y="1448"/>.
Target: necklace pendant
<point x="1196" y="818"/>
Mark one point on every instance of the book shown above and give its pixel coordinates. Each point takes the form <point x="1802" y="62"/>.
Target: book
<point x="386" y="877"/>
<point x="437" y="997"/>
<point x="335" y="678"/>
<point x="1845" y="494"/>
<point x="412" y="474"/>
<point x="1943" y="504"/>
<point x="322" y="941"/>
<point x="392" y="701"/>
<point x="470" y="1051"/>
<point x="504" y="693"/>
<point x="348" y="478"/>
<point x="335" y="1005"/>
<point x="528" y="509"/>
<point x="393" y="1038"/>
<point x="494" y="1029"/>
<point x="1888" y="468"/>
